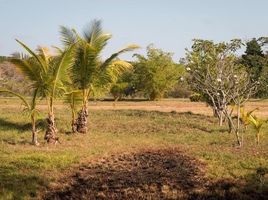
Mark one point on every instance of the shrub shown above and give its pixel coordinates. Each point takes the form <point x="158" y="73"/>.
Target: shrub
<point x="195" y="97"/>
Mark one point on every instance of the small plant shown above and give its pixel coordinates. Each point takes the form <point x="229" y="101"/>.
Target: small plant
<point x="195" y="97"/>
<point x="257" y="124"/>
<point x="30" y="109"/>
<point x="245" y="116"/>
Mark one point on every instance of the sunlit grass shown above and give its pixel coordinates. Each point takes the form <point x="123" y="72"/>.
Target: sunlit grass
<point x="26" y="170"/>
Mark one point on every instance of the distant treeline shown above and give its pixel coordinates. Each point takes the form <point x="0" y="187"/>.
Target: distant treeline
<point x="156" y="75"/>
<point x="4" y="58"/>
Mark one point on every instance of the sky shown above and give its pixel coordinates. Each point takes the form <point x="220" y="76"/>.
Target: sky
<point x="168" y="24"/>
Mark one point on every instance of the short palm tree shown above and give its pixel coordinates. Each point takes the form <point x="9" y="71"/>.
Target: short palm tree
<point x="245" y="116"/>
<point x="30" y="108"/>
<point x="257" y="125"/>
<point x="89" y="73"/>
<point x="48" y="74"/>
<point x="73" y="99"/>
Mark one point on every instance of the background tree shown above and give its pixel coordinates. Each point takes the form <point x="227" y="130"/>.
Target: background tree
<point x="155" y="74"/>
<point x="215" y="73"/>
<point x="124" y="86"/>
<point x="256" y="63"/>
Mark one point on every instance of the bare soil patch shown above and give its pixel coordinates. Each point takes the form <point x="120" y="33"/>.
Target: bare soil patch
<point x="150" y="174"/>
<point x="154" y="174"/>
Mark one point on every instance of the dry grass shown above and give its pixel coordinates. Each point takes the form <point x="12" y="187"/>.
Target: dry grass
<point x="166" y="105"/>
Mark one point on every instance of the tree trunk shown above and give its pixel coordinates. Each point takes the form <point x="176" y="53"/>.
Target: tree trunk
<point x="74" y="126"/>
<point x="74" y="130"/>
<point x="34" y="133"/>
<point x="239" y="141"/>
<point x="230" y="121"/>
<point x="258" y="138"/>
<point x="220" y="118"/>
<point x="232" y="127"/>
<point x="215" y="113"/>
<point x="81" y="122"/>
<point x="115" y="100"/>
<point x="51" y="131"/>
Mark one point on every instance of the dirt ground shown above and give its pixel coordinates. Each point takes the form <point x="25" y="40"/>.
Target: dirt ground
<point x="150" y="174"/>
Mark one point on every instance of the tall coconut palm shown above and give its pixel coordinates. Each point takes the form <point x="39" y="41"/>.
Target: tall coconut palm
<point x="89" y="72"/>
<point x="48" y="74"/>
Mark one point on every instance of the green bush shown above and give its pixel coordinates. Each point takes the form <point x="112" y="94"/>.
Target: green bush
<point x="195" y="97"/>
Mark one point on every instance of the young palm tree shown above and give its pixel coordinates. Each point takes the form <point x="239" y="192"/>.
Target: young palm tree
<point x="48" y="74"/>
<point x="73" y="99"/>
<point x="257" y="125"/>
<point x="89" y="73"/>
<point x="246" y="116"/>
<point x="30" y="108"/>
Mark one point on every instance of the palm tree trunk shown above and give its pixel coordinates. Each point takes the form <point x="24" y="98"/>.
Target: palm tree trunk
<point x="50" y="135"/>
<point x="81" y="122"/>
<point x="258" y="138"/>
<point x="34" y="133"/>
<point x="51" y="131"/>
<point x="74" y="128"/>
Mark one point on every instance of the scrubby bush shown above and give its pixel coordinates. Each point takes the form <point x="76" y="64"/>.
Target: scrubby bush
<point x="195" y="97"/>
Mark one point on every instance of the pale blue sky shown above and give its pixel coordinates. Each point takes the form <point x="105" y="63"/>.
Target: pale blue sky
<point x="169" y="24"/>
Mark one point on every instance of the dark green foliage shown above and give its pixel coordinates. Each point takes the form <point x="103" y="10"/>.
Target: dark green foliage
<point x="118" y="90"/>
<point x="254" y="58"/>
<point x="124" y="86"/>
<point x="180" y="90"/>
<point x="256" y="63"/>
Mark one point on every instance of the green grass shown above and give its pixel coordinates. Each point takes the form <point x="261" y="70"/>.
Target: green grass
<point x="26" y="170"/>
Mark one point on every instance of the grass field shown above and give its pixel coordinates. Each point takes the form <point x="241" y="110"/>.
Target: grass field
<point x="178" y="139"/>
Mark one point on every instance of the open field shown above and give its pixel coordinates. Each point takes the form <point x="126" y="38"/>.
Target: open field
<point x="166" y="105"/>
<point x="133" y="150"/>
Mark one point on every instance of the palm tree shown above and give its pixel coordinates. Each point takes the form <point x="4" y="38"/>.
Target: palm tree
<point x="73" y="99"/>
<point x="246" y="116"/>
<point x="89" y="73"/>
<point x="48" y="74"/>
<point x="257" y="125"/>
<point x="31" y="110"/>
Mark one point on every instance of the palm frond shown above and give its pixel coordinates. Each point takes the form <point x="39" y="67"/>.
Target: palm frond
<point x="68" y="36"/>
<point x="115" y="55"/>
<point x="42" y="62"/>
<point x="61" y="68"/>
<point x="73" y="98"/>
<point x="45" y="54"/>
<point x="86" y="62"/>
<point x="95" y="36"/>
<point x="27" y="68"/>
<point x="23" y="99"/>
